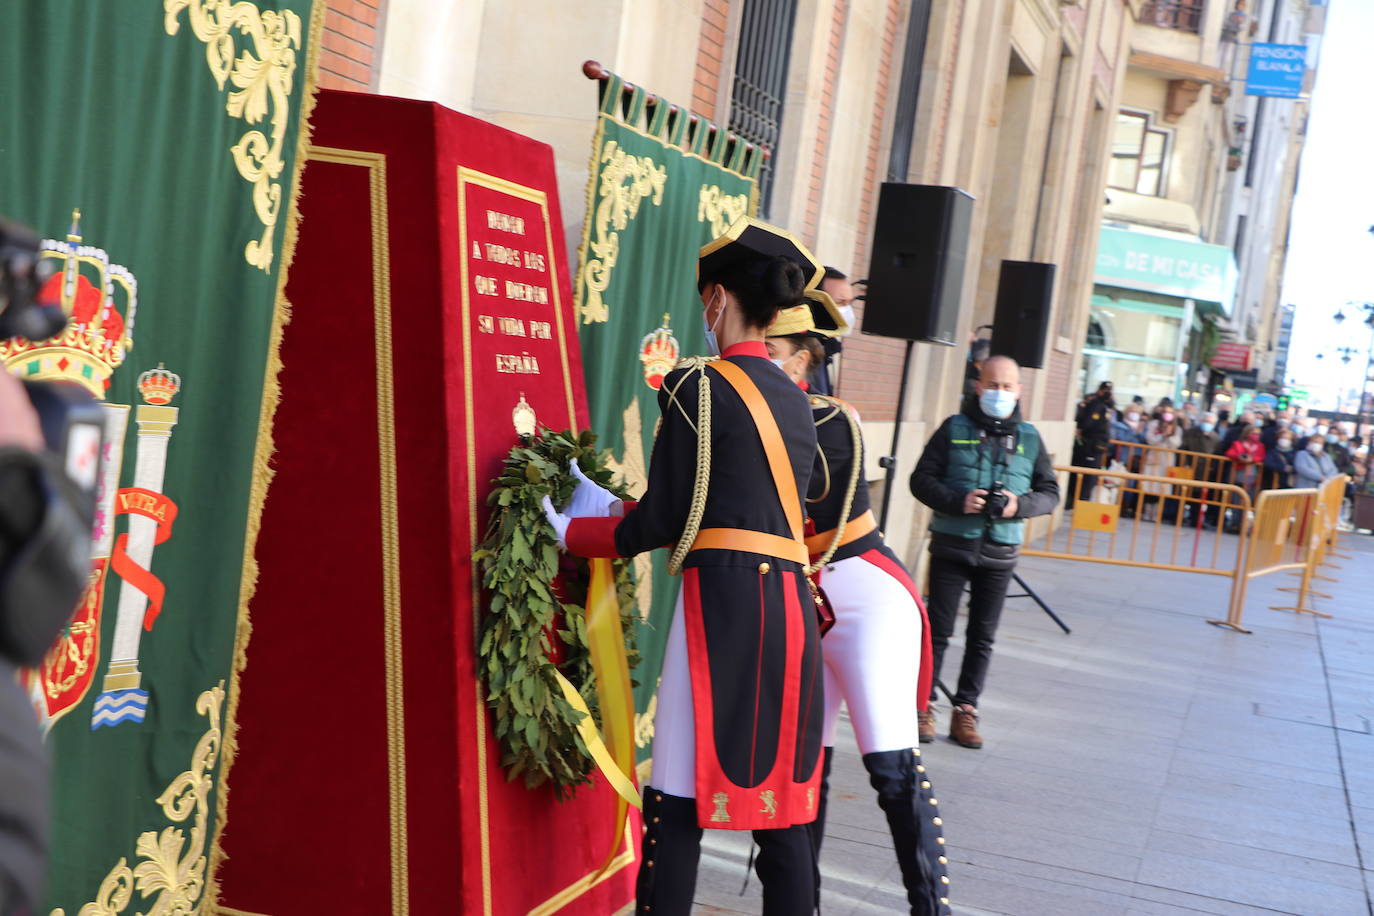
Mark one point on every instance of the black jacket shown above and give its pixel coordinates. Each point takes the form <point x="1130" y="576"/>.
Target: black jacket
<point x="45" y="529"/>
<point x="930" y="484"/>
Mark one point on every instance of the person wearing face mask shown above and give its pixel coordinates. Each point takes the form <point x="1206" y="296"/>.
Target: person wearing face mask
<point x="1313" y="465"/>
<point x="877" y="654"/>
<point x="1163" y="432"/>
<point x="1202" y="435"/>
<point x="1337" y="450"/>
<point x="1279" y="463"/>
<point x="983" y="472"/>
<point x="737" y="743"/>
<point x="1247" y="457"/>
<point x="835" y="284"/>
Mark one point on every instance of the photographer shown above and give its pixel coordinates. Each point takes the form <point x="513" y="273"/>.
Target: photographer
<point x="983" y="472"/>
<point x="45" y="549"/>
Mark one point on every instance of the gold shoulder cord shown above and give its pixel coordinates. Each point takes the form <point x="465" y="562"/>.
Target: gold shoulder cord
<point x="703" y="476"/>
<point x="856" y="436"/>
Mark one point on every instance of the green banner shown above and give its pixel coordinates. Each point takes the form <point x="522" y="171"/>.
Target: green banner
<point x="154" y="144"/>
<point x="662" y="184"/>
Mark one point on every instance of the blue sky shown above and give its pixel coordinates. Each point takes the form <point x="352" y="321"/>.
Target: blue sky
<point x="1331" y="254"/>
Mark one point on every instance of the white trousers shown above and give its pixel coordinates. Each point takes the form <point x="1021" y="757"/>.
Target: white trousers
<point x="675" y="739"/>
<point x="872" y="656"/>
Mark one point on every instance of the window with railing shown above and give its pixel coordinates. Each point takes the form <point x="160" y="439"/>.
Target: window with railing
<point x="756" y="98"/>
<point x="1140" y="152"/>
<point x="1183" y="15"/>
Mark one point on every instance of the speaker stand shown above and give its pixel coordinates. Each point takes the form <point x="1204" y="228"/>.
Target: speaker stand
<point x="889" y="461"/>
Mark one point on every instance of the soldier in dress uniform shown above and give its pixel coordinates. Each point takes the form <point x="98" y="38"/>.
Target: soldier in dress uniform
<point x="737" y="742"/>
<point x="880" y="632"/>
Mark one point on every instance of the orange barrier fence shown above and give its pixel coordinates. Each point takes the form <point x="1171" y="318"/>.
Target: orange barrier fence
<point x="1179" y="524"/>
<point x="1281" y="538"/>
<point x="1323" y="532"/>
<point x="1151" y="522"/>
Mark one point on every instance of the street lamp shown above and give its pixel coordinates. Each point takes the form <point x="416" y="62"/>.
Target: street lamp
<point x="1368" y="309"/>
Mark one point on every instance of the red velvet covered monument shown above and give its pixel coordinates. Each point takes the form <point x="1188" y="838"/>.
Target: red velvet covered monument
<point x="366" y="779"/>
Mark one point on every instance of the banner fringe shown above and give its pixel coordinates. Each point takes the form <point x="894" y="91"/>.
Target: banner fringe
<point x="262" y="455"/>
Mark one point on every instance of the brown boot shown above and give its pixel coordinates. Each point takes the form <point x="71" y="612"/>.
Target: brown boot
<point x="963" y="726"/>
<point x="926" y="724"/>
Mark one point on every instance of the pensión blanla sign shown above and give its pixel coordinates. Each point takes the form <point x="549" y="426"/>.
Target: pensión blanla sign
<point x="1276" y="70"/>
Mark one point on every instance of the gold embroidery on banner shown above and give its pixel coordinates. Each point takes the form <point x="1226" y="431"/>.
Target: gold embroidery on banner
<point x="719" y="209"/>
<point x="261" y="82"/>
<point x="172" y="874"/>
<point x="720" y="815"/>
<point x="770" y="803"/>
<point x="644" y="721"/>
<point x="625" y="181"/>
<point x="810" y="799"/>
<point x="633" y="475"/>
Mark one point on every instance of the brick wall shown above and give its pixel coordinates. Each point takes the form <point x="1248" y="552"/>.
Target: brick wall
<point x="872" y="366"/>
<point x="710" y="55"/>
<point x="835" y="49"/>
<point x="348" y="44"/>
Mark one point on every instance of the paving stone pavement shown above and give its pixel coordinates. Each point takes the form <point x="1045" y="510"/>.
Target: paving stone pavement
<point x="1146" y="764"/>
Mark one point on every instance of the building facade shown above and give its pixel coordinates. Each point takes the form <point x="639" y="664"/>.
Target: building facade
<point x="1075" y="126"/>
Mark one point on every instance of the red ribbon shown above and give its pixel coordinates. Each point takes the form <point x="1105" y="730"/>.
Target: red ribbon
<point x="156" y="506"/>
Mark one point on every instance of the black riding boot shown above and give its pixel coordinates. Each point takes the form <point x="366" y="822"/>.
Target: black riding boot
<point x="669" y="855"/>
<point x="817" y="827"/>
<point x="786" y="866"/>
<point x="905" y="796"/>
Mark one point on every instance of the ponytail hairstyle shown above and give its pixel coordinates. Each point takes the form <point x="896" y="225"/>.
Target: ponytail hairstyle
<point x="763" y="286"/>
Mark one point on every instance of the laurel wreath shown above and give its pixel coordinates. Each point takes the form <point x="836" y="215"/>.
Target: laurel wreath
<point x="533" y="627"/>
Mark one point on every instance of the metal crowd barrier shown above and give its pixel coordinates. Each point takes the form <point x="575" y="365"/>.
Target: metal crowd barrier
<point x="1151" y="522"/>
<point x="1324" y="533"/>
<point x="1181" y="524"/>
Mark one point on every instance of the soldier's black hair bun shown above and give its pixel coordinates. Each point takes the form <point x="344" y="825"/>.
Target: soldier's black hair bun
<point x="763" y="286"/>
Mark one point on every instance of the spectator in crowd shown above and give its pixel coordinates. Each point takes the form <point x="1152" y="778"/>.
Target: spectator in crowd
<point x="1279" y="423"/>
<point x="1314" y="429"/>
<point x="1279" y="461"/>
<point x="1247" y="457"/>
<point x="1236" y="430"/>
<point x="1164" y="433"/>
<point x="984" y="472"/>
<point x="1202" y="435"/>
<point x="1189" y="416"/>
<point x="1129" y="428"/>
<point x="1313" y="465"/>
<point x="1336" y="439"/>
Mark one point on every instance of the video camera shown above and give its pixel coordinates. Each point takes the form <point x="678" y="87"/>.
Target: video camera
<point x="71" y="419"/>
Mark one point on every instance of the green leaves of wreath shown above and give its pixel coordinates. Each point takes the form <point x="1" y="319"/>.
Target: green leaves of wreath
<point x="530" y="629"/>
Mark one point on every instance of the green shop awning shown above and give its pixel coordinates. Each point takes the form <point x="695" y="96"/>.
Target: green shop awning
<point x="1169" y="266"/>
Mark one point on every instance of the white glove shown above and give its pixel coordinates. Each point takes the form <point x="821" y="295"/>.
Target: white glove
<point x="590" y="499"/>
<point x="558" y="521"/>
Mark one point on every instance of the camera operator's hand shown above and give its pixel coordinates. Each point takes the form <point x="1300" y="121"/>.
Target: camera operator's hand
<point x="974" y="501"/>
<point x="1011" y="506"/>
<point x="18" y="420"/>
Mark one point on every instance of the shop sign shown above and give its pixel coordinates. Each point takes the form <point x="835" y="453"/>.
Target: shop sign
<point x="1276" y="70"/>
<point x="1171" y="266"/>
<point x="1233" y="357"/>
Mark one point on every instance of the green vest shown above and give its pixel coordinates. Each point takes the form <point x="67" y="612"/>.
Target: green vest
<point x="974" y="463"/>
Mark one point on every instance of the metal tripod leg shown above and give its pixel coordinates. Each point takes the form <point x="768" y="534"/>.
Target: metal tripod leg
<point x="1030" y="593"/>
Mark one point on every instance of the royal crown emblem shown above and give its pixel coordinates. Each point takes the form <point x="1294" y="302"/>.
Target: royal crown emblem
<point x="658" y="351"/>
<point x="99" y="299"/>
<point x="158" y="386"/>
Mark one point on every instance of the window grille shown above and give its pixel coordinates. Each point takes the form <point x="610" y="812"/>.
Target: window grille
<point x="760" y="86"/>
<point x="1183" y="15"/>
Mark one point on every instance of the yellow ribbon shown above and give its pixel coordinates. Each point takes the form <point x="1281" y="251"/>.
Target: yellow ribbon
<point x="590" y="737"/>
